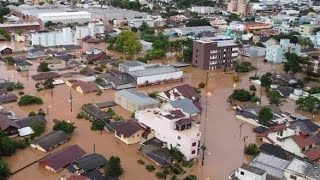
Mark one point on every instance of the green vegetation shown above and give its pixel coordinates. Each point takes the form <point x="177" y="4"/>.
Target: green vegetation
<point x="155" y="54"/>
<point x="47" y="84"/>
<point x="255" y="99"/>
<point x="293" y="63"/>
<point x="176" y="154"/>
<point x="234" y="17"/>
<point x="98" y="80"/>
<point x="49" y="24"/>
<point x="244" y="66"/>
<point x="201" y="85"/>
<point x="38" y="128"/>
<point x="265" y="116"/>
<point x="99" y="69"/>
<point x="140" y="161"/>
<point x="97" y="125"/>
<point x="64" y="126"/>
<point x="99" y="93"/>
<point x="43" y="67"/>
<point x="153" y="94"/>
<point x="274" y="97"/>
<point x="160" y="175"/>
<point x="126" y="4"/>
<point x="197" y="22"/>
<point x="293" y="36"/>
<point x="9" y="60"/>
<point x="5" y="34"/>
<point x="28" y="100"/>
<point x="4" y="170"/>
<point x="32" y="114"/>
<point x="253" y="88"/>
<point x="8" y="146"/>
<point x="113" y="167"/>
<point x="150" y="168"/>
<point x="314" y="90"/>
<point x="127" y="42"/>
<point x="309" y="104"/>
<point x="111" y="112"/>
<point x="241" y="95"/>
<point x="190" y="177"/>
<point x="266" y="80"/>
<point x="251" y="150"/>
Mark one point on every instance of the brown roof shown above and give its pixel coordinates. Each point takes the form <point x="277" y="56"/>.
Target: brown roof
<point x="186" y="91"/>
<point x="75" y="177"/>
<point x="313" y="154"/>
<point x="63" y="157"/>
<point x="302" y="141"/>
<point x="86" y="87"/>
<point x="6" y="98"/>
<point x="175" y="114"/>
<point x="5" y="123"/>
<point x="45" y="75"/>
<point x="184" y="121"/>
<point x="97" y="57"/>
<point x="129" y="128"/>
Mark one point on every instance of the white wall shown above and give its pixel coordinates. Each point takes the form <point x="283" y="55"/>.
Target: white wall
<point x="248" y="175"/>
<point x="46" y="39"/>
<point x="159" y="77"/>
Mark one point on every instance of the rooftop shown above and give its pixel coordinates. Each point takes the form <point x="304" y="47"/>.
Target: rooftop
<point x="51" y="140"/>
<point x="253" y="169"/>
<point x="129" y="128"/>
<point x="136" y="97"/>
<point x="311" y="171"/>
<point x="153" y="70"/>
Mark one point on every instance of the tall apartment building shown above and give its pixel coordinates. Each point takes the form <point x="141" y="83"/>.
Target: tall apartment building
<point x="174" y="128"/>
<point x="276" y="53"/>
<point x="241" y="7"/>
<point x="55" y="38"/>
<point x="92" y="29"/>
<point x="209" y="55"/>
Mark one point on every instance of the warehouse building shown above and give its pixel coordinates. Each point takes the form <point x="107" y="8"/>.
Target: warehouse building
<point x="133" y="100"/>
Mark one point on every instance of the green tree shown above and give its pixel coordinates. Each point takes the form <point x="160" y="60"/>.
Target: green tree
<point x="43" y="67"/>
<point x="49" y="24"/>
<point x="32" y="114"/>
<point x="64" y="126"/>
<point x="197" y="22"/>
<point x="253" y="88"/>
<point x="98" y="125"/>
<point x="176" y="154"/>
<point x="305" y="42"/>
<point x="9" y="60"/>
<point x="113" y="168"/>
<point x="314" y="90"/>
<point x="234" y="17"/>
<point x="241" y="95"/>
<point x="5" y="33"/>
<point x="111" y="112"/>
<point x="294" y="63"/>
<point x="310" y="104"/>
<point x="274" y="97"/>
<point x="190" y="177"/>
<point x="7" y="147"/>
<point x="251" y="150"/>
<point x="127" y="42"/>
<point x="38" y="128"/>
<point x="265" y="115"/>
<point x="201" y="85"/>
<point x="155" y="53"/>
<point x="28" y="100"/>
<point x="153" y="94"/>
<point x="4" y="170"/>
<point x="266" y="80"/>
<point x="134" y="29"/>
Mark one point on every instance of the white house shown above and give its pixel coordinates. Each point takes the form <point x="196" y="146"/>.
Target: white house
<point x="173" y="128"/>
<point x="54" y="38"/>
<point x="276" y="53"/>
<point x="203" y="9"/>
<point x="302" y="170"/>
<point x="137" y="22"/>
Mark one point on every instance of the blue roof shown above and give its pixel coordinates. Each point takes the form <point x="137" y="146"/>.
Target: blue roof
<point x="186" y="105"/>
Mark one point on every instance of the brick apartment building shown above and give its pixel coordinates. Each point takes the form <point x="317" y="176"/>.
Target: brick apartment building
<point x="209" y="55"/>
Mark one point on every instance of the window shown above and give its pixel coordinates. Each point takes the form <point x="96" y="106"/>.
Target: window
<point x="310" y="146"/>
<point x="303" y="149"/>
<point x="293" y="177"/>
<point x="194" y="144"/>
<point x="179" y="137"/>
<point x="193" y="152"/>
<point x="242" y="173"/>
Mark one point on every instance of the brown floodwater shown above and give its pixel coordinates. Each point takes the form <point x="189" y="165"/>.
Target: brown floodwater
<point x="225" y="137"/>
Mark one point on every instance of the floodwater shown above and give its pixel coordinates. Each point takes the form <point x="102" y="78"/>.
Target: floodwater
<point x="225" y="137"/>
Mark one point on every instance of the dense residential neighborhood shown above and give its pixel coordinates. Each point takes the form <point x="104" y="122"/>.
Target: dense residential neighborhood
<point x="207" y="89"/>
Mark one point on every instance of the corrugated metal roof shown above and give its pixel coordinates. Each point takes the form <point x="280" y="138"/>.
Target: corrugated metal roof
<point x="137" y="97"/>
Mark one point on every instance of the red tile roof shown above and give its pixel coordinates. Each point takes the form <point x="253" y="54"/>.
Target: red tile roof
<point x="63" y="157"/>
<point x="302" y="141"/>
<point x="313" y="154"/>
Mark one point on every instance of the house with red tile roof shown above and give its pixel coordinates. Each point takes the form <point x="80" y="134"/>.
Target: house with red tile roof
<point x="60" y="159"/>
<point x="301" y="137"/>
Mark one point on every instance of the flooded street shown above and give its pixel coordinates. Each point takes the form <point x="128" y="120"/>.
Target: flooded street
<point x="225" y="137"/>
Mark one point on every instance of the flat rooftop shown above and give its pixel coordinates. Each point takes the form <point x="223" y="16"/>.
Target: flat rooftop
<point x="153" y="70"/>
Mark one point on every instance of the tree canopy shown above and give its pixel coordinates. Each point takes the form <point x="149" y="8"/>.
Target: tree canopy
<point x="274" y="97"/>
<point x="127" y="42"/>
<point x="43" y="67"/>
<point x="197" y="22"/>
<point x="310" y="104"/>
<point x="28" y="100"/>
<point x="265" y="115"/>
<point x="266" y="80"/>
<point x="113" y="168"/>
<point x="294" y="63"/>
<point x="4" y="170"/>
<point x="241" y="95"/>
<point x="64" y="126"/>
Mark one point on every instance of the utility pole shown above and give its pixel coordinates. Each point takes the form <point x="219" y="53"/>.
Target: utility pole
<point x="70" y="100"/>
<point x="204" y="124"/>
